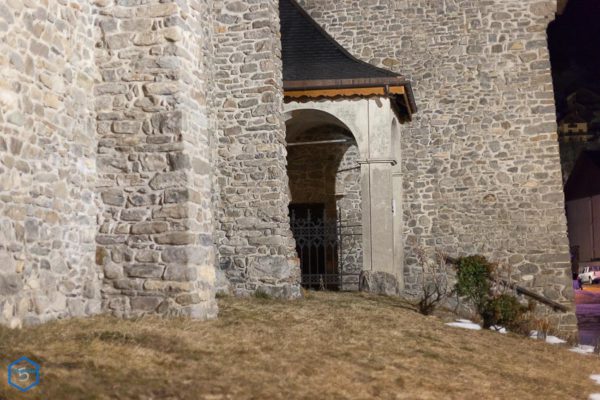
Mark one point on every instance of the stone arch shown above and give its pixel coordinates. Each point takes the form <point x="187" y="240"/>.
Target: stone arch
<point x="345" y="114"/>
<point x="325" y="180"/>
<point x="370" y="121"/>
<point x="324" y="142"/>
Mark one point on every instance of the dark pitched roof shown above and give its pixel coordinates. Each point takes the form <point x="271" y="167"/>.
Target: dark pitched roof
<point x="313" y="59"/>
<point x="310" y="53"/>
<point x="584" y="180"/>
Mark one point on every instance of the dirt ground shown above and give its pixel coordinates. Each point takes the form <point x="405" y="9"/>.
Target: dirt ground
<point x="327" y="346"/>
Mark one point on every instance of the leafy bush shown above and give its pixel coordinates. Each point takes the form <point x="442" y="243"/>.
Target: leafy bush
<point x="479" y="282"/>
<point x="473" y="280"/>
<point x="504" y="310"/>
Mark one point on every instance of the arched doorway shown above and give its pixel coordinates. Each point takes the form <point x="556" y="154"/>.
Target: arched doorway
<point x="362" y="99"/>
<point x="325" y="199"/>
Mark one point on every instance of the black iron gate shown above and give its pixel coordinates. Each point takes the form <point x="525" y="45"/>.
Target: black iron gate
<point x="320" y="247"/>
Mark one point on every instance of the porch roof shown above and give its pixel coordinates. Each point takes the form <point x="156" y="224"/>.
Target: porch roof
<point x="315" y="65"/>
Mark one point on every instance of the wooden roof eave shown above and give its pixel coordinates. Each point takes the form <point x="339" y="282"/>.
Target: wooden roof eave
<point x="396" y="88"/>
<point x="344" y="83"/>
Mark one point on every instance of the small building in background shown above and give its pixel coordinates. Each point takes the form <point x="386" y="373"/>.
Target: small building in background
<point x="579" y="128"/>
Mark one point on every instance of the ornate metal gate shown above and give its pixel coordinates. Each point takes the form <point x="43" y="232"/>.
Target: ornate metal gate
<point x="320" y="246"/>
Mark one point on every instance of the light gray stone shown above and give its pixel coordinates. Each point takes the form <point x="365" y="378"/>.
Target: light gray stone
<point x="180" y="273"/>
<point x="10" y="284"/>
<point x="145" y="303"/>
<point x="276" y="267"/>
<point x="144" y="270"/>
<point x="379" y="282"/>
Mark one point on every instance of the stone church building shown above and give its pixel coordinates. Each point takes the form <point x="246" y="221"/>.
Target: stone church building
<point x="154" y="152"/>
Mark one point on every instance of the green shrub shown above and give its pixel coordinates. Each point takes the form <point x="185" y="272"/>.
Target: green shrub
<point x="473" y="277"/>
<point x="504" y="310"/>
<point x="477" y="281"/>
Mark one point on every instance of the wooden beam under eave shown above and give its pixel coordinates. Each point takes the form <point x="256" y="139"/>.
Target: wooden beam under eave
<point x="345" y="92"/>
<point x="397" y="90"/>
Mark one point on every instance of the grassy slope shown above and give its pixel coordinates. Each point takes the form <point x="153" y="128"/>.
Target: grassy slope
<point x="329" y="346"/>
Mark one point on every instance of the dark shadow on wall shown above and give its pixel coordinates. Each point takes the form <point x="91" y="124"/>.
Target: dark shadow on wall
<point x="574" y="44"/>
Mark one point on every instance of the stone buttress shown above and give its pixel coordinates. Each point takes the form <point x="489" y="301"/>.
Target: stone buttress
<point x="155" y="240"/>
<point x="253" y="238"/>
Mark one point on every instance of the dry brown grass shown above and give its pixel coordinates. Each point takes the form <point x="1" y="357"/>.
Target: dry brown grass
<point x="328" y="346"/>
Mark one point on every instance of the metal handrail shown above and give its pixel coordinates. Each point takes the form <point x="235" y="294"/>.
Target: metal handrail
<point x="556" y="306"/>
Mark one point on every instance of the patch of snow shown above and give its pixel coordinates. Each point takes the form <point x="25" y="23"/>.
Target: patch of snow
<point x="465" y="324"/>
<point x="594" y="396"/>
<point x="549" y="339"/>
<point x="554" y="340"/>
<point x="583" y="349"/>
<point x="595" y="378"/>
<point x="533" y="334"/>
<point x="499" y="329"/>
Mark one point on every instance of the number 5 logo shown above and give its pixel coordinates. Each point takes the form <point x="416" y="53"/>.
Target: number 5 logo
<point x="23" y="374"/>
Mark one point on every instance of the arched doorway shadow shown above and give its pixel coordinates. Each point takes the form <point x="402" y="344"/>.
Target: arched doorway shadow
<point x="326" y="204"/>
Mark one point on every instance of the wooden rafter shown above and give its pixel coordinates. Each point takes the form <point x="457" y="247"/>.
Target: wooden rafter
<point x="346" y="92"/>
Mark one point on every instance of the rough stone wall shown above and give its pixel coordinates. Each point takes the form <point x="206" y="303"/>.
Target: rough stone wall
<point x="480" y="161"/>
<point x="47" y="162"/>
<point x="253" y="238"/>
<point x="155" y="226"/>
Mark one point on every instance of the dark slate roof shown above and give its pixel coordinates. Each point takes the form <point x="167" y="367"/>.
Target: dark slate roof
<point x="312" y="59"/>
<point x="310" y="53"/>
<point x="584" y="180"/>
